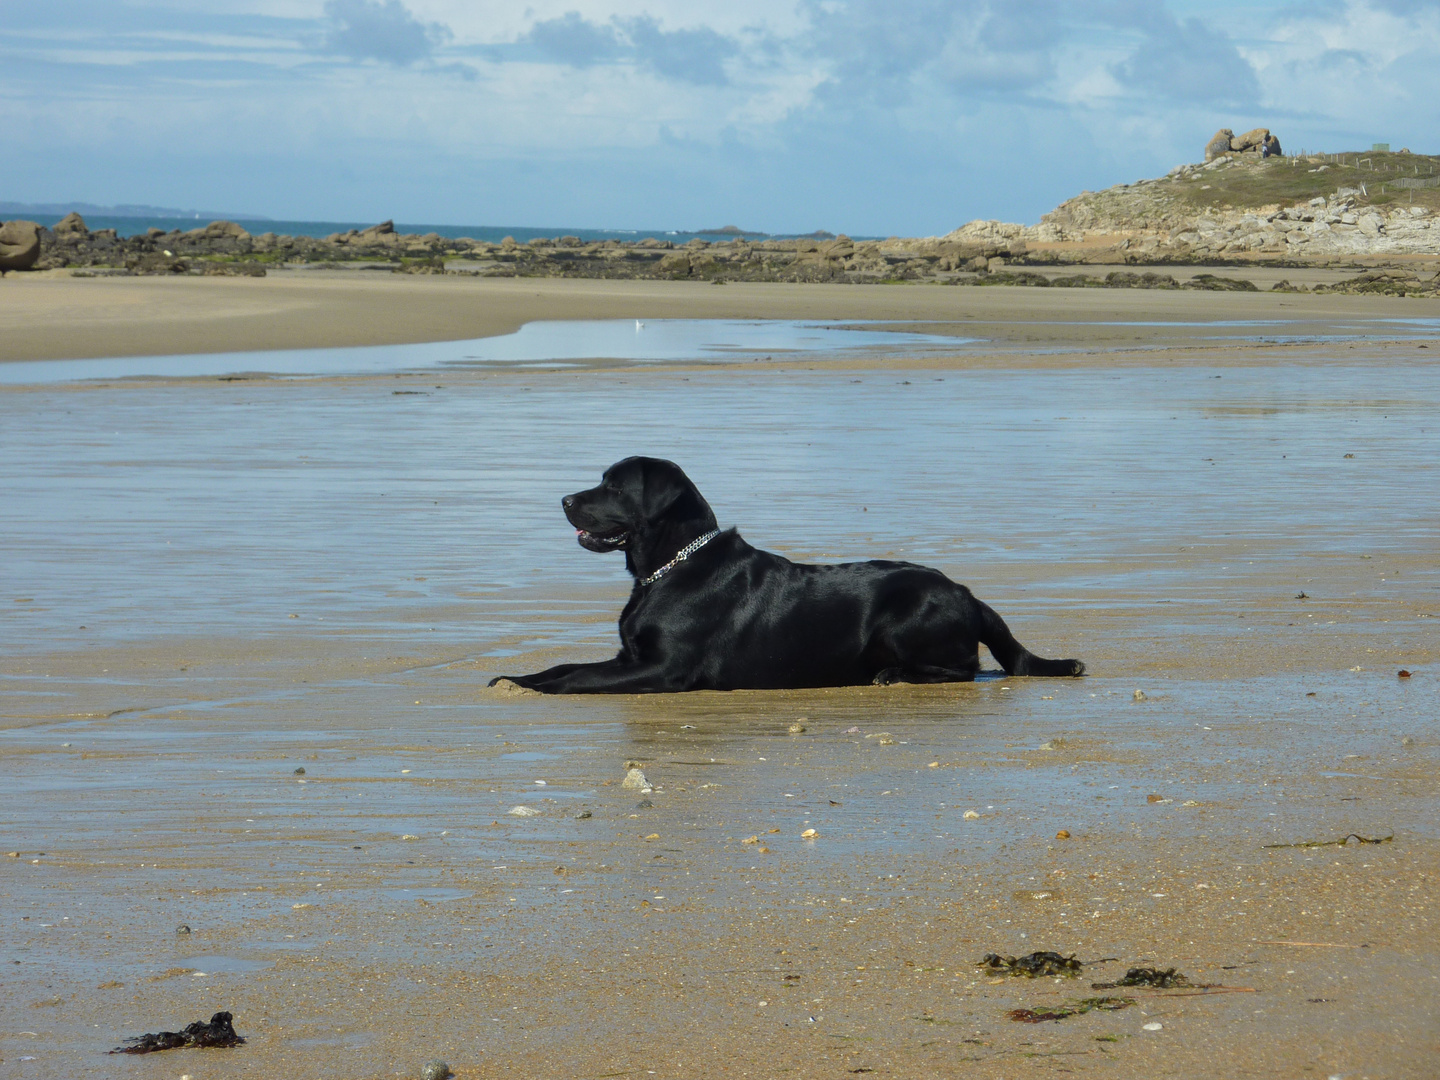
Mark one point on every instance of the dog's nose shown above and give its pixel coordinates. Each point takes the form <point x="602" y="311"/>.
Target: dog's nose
<point x="567" y="502"/>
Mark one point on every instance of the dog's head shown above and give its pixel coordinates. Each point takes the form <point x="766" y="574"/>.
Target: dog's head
<point x="642" y="505"/>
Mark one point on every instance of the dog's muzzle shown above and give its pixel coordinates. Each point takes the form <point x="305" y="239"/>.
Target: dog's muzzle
<point x="591" y="542"/>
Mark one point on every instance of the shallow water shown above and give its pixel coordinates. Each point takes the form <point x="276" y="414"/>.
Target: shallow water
<point x="208" y="586"/>
<point x="549" y="344"/>
<point x="146" y="511"/>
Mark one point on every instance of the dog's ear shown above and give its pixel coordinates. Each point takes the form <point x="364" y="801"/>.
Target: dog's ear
<point x="667" y="493"/>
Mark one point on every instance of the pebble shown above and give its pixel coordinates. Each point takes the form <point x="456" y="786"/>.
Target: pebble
<point x="634" y="779"/>
<point x="435" y="1070"/>
<point x="971" y="815"/>
<point x="1140" y="695"/>
<point x="797" y="728"/>
<point x="300" y="771"/>
<point x="644" y="804"/>
<point x="409" y="836"/>
<point x="1063" y="834"/>
<point x="524" y="811"/>
<point x="182" y="929"/>
<point x="809" y="834"/>
<point x="1408" y="740"/>
<point x="1154" y="1025"/>
<point x="582" y="815"/>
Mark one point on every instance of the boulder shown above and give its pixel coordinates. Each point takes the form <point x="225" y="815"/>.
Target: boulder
<point x="1251" y="140"/>
<point x="1272" y="147"/>
<point x="223" y="230"/>
<point x="72" y="226"/>
<point x="19" y="245"/>
<point x="384" y="233"/>
<point x="1219" y="144"/>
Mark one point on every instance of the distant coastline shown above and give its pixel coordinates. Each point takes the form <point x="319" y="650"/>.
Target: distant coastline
<point x="9" y="208"/>
<point x="135" y="220"/>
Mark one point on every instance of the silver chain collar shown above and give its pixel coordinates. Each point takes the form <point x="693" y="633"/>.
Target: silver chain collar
<point x="685" y="552"/>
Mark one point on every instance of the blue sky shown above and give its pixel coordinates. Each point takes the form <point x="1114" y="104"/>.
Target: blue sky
<point x="904" y="117"/>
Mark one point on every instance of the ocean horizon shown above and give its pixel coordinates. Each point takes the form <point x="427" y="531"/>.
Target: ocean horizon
<point x="126" y="225"/>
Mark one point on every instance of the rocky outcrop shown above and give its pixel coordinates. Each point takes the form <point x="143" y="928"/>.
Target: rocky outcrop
<point x="1219" y="144"/>
<point x="19" y="245"/>
<point x="1251" y="140"/>
<point x="1256" y="140"/>
<point x="72" y="225"/>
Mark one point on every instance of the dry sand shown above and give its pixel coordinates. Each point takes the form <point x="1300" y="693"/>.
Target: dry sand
<point x="212" y="586"/>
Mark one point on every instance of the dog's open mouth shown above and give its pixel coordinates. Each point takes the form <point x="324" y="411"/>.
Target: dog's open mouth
<point x="593" y="542"/>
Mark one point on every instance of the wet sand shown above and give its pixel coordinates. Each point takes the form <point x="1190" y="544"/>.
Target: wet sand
<point x="49" y="316"/>
<point x="210" y="586"/>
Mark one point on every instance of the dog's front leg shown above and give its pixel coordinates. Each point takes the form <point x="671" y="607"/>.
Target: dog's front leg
<point x="606" y="677"/>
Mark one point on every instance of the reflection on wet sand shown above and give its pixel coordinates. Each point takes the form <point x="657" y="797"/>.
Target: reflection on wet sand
<point x="248" y="627"/>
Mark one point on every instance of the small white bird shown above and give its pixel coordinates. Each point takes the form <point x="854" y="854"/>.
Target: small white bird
<point x="639" y="325"/>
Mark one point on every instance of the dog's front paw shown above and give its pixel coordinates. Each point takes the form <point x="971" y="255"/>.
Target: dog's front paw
<point x="503" y="684"/>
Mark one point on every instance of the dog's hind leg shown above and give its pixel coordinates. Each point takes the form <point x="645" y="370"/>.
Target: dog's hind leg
<point x="924" y="673"/>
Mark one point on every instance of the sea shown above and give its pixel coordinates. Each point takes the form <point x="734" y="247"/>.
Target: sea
<point x="131" y="226"/>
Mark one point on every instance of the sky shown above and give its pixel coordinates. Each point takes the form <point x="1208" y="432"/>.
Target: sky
<point x="872" y="117"/>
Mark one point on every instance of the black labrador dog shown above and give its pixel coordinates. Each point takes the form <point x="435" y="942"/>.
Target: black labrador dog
<point x="710" y="612"/>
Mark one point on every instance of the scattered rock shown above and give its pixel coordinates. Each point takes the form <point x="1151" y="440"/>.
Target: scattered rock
<point x="1063" y="834"/>
<point x="182" y="929"/>
<point x="635" y="780"/>
<point x="435" y="1070"/>
<point x="523" y="811"/>
<point x="1140" y="695"/>
<point x="798" y="728"/>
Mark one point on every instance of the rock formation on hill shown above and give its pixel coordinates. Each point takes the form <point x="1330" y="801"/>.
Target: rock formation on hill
<point x="1256" y="140"/>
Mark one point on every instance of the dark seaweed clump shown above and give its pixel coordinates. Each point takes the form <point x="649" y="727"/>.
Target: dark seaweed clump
<point x="220" y="1031"/>
<point x="1033" y="965"/>
<point x="1143" y="976"/>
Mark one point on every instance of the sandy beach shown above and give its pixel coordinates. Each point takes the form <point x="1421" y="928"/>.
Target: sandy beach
<point x="53" y="316"/>
<point x="248" y="627"/>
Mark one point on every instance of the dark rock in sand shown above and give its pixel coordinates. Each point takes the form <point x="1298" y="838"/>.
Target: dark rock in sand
<point x="19" y="245"/>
